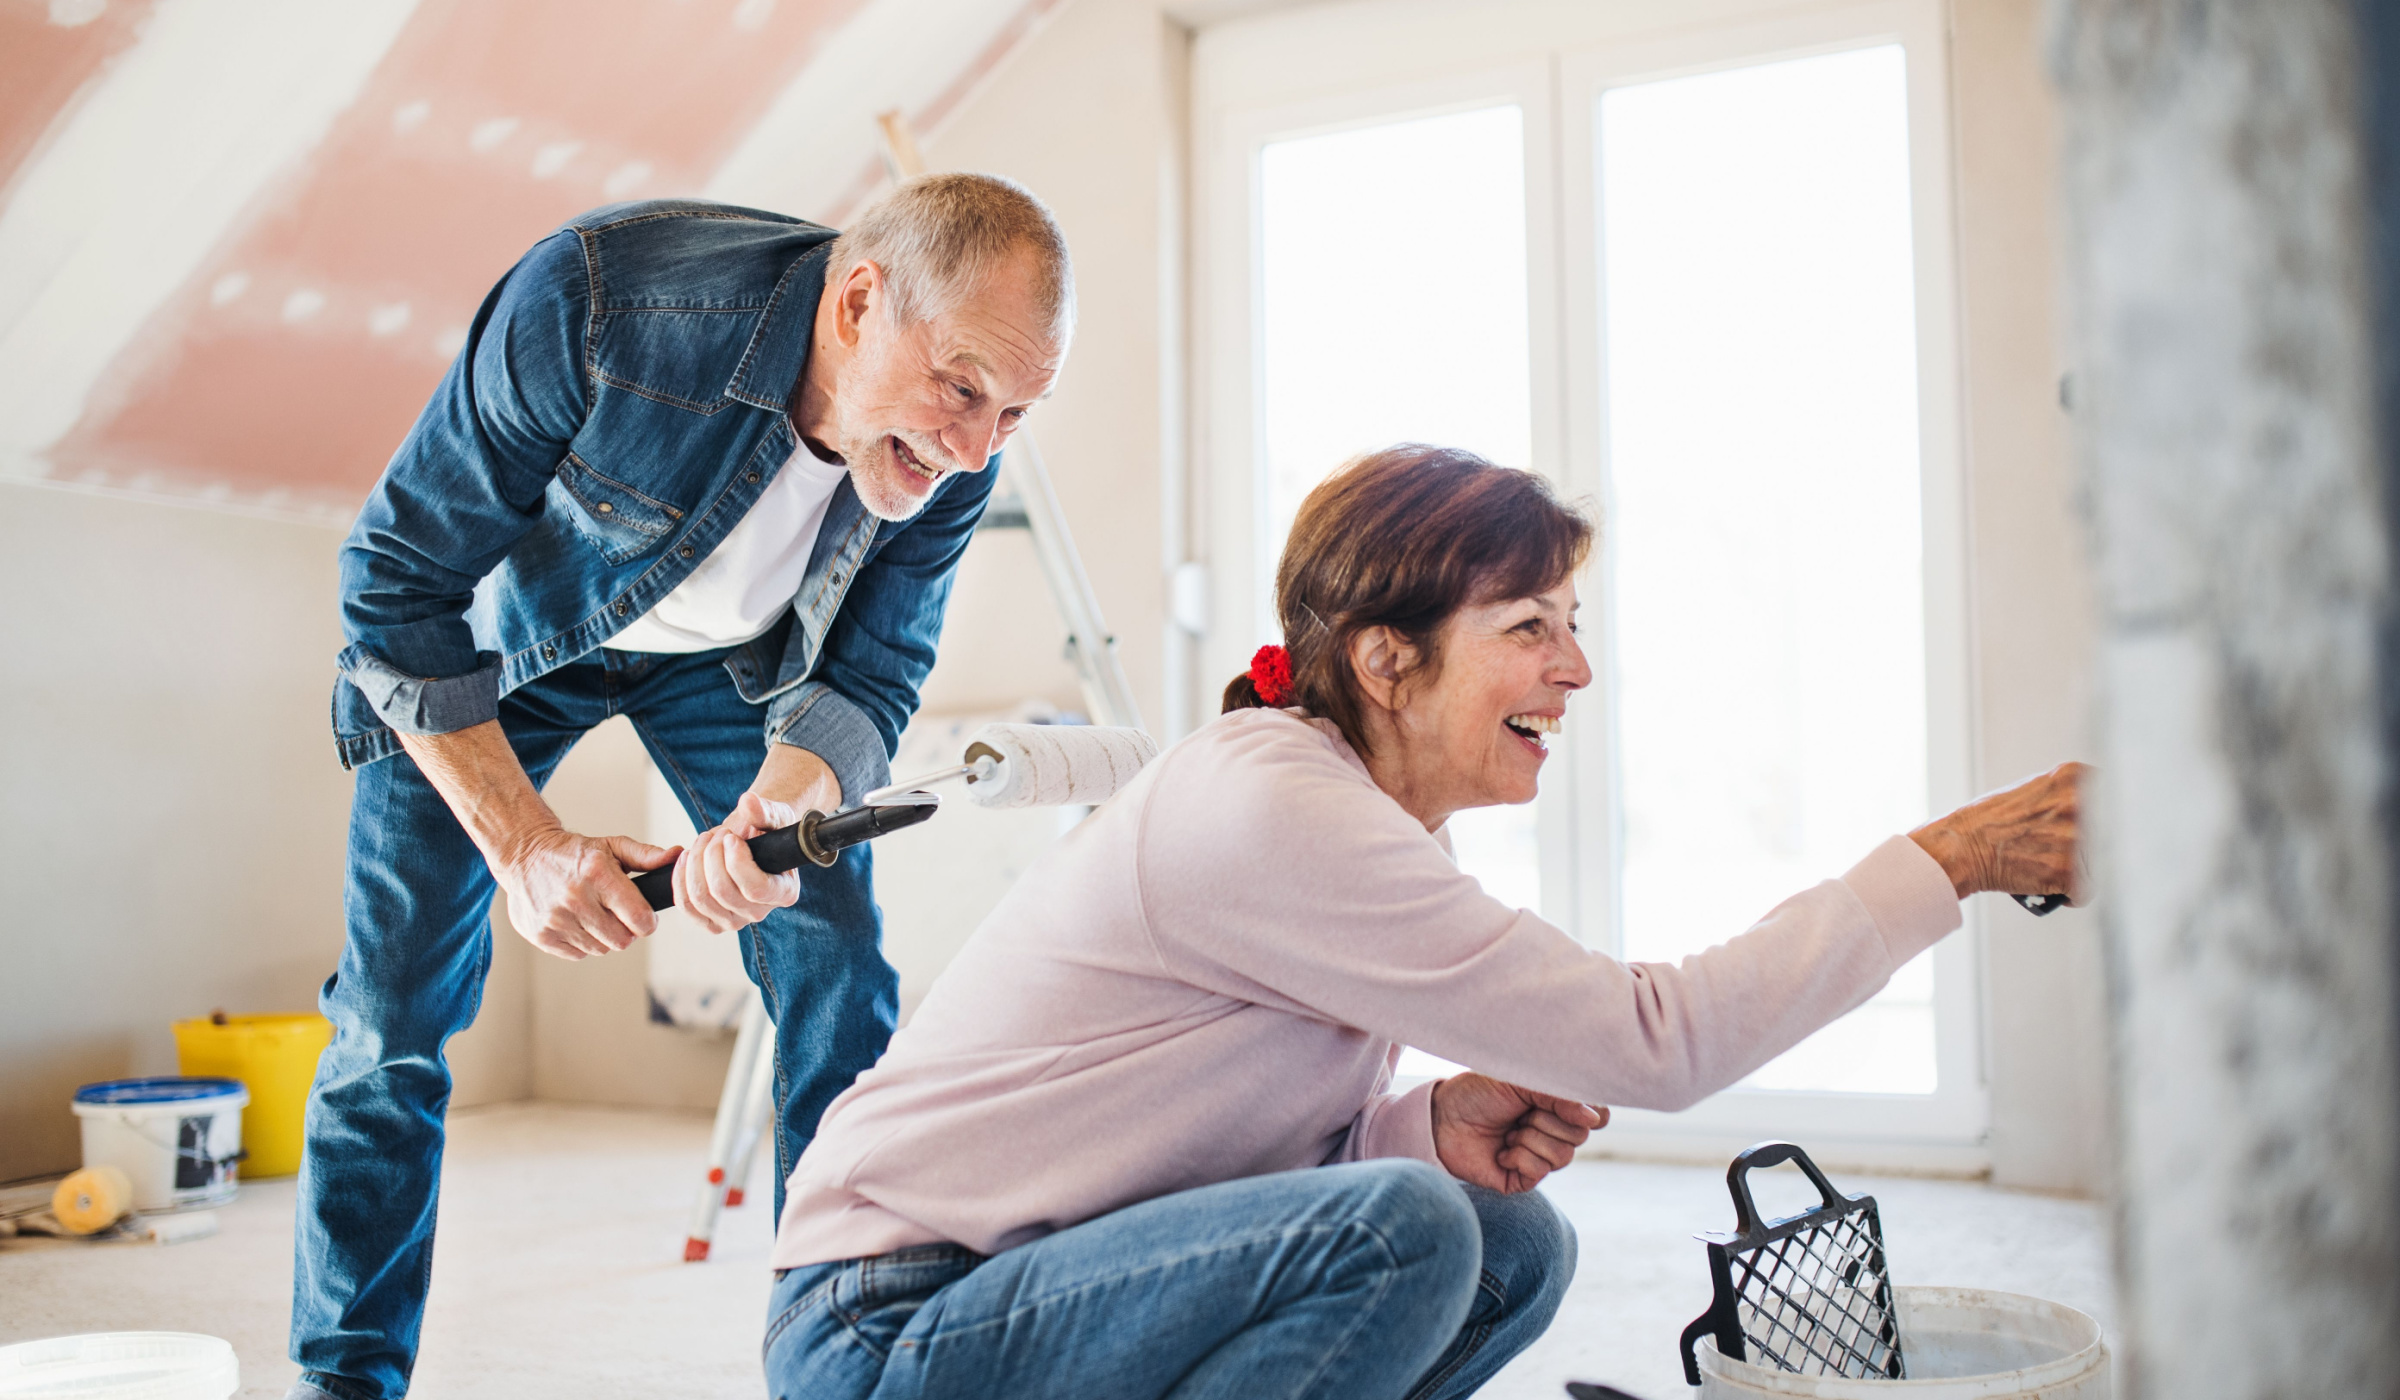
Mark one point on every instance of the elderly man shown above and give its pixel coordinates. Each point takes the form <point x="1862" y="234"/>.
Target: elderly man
<point x="708" y="468"/>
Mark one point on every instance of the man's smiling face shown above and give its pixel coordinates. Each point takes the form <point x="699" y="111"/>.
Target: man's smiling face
<point x="912" y="404"/>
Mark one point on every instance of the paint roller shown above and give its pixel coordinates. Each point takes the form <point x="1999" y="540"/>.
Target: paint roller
<point x="1005" y="765"/>
<point x="99" y="1201"/>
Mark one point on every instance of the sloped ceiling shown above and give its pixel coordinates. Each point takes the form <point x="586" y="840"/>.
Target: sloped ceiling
<point x="240" y="239"/>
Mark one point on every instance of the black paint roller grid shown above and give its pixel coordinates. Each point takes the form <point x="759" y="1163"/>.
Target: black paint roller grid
<point x="1810" y="1293"/>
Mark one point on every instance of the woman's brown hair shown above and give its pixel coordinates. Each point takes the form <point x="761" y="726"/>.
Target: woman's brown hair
<point x="1403" y="538"/>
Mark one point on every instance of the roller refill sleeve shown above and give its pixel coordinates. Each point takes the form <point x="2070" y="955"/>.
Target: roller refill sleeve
<point x="815" y="839"/>
<point x="1057" y="765"/>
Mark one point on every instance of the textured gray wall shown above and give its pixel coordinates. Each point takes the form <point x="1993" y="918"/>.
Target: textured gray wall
<point x="2212" y="174"/>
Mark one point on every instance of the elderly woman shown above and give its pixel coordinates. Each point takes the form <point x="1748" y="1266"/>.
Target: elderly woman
<point x="1138" y="1141"/>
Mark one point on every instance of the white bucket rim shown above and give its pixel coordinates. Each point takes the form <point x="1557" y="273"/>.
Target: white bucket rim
<point x="1909" y="1299"/>
<point x="224" y="1094"/>
<point x="68" y="1366"/>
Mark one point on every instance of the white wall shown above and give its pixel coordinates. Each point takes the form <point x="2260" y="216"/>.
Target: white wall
<point x="171" y="811"/>
<point x="1089" y="116"/>
<point x="2032" y="591"/>
<point x="173" y="816"/>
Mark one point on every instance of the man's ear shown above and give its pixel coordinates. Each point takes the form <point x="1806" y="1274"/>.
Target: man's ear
<point x="862" y="291"/>
<point x="1381" y="658"/>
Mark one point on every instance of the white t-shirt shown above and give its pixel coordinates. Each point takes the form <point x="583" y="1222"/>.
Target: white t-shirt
<point x="744" y="584"/>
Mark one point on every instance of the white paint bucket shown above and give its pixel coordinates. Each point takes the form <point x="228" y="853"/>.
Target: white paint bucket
<point x="120" y="1366"/>
<point x="175" y="1139"/>
<point x="1961" y="1344"/>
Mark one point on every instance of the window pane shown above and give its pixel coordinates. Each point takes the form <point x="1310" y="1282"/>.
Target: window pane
<point x="1765" y="531"/>
<point x="1393" y="309"/>
<point x="1393" y="304"/>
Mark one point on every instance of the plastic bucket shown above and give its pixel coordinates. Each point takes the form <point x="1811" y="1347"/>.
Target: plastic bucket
<point x="120" y="1366"/>
<point x="275" y="1057"/>
<point x="1961" y="1344"/>
<point x="176" y="1140"/>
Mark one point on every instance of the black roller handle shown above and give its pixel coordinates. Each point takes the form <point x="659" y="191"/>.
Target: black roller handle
<point x="816" y="839"/>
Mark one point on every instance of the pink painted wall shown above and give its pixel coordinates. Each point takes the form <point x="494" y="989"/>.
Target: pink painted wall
<point x="43" y="65"/>
<point x="297" y="357"/>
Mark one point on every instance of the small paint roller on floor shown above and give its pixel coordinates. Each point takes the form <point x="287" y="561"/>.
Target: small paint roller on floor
<point x="1005" y="765"/>
<point x="92" y="1199"/>
<point x="98" y="1201"/>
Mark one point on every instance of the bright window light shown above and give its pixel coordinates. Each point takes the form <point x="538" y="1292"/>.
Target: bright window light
<point x="1393" y="296"/>
<point x="1393" y="309"/>
<point x="1765" y="532"/>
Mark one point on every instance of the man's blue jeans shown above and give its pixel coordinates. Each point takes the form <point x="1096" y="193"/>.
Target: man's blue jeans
<point x="1367" y="1281"/>
<point x="420" y="941"/>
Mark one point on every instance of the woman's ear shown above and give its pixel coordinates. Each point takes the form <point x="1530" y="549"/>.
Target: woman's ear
<point x="1381" y="658"/>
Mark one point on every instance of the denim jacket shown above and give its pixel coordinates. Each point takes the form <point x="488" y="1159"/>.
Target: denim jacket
<point x="618" y="407"/>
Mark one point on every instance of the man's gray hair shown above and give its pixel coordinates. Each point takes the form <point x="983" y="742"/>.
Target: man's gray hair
<point x="938" y="238"/>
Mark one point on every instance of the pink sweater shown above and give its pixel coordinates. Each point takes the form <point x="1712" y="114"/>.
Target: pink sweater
<point x="1210" y="978"/>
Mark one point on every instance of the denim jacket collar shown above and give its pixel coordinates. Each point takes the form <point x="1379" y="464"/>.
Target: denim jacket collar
<point x="779" y="348"/>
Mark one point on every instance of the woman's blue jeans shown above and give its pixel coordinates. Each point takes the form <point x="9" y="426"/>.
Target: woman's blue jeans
<point x="1367" y="1281"/>
<point x="417" y="904"/>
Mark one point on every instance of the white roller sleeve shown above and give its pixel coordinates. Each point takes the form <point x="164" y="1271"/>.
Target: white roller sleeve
<point x="1058" y="765"/>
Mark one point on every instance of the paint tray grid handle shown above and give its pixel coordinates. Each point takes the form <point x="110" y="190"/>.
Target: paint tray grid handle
<point x="1810" y="1293"/>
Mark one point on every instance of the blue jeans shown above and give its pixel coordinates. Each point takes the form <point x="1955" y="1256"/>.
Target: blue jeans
<point x="1367" y="1281"/>
<point x="417" y="904"/>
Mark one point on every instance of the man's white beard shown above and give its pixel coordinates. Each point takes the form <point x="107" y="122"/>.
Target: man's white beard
<point x="876" y="473"/>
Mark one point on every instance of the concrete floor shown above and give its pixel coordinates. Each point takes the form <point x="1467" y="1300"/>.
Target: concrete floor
<point x="559" y="1270"/>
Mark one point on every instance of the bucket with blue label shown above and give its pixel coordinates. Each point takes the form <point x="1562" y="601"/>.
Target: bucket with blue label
<point x="177" y="1139"/>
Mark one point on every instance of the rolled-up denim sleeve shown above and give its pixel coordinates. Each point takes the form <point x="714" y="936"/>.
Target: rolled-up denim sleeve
<point x="464" y="487"/>
<point x="826" y="723"/>
<point x="881" y="646"/>
<point x="436" y="705"/>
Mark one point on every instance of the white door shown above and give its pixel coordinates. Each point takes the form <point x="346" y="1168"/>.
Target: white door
<point x="1695" y="267"/>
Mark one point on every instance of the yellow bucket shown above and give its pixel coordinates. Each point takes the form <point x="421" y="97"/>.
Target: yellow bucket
<point x="276" y="1058"/>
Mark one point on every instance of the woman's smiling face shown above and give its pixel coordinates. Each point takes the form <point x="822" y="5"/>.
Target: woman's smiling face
<point x="1473" y="732"/>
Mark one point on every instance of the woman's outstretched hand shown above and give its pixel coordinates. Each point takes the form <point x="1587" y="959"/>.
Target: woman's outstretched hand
<point x="1497" y="1135"/>
<point x="2021" y="840"/>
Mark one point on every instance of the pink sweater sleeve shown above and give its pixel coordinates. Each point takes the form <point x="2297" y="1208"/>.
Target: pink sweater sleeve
<point x="1393" y="1125"/>
<point x="1280" y="875"/>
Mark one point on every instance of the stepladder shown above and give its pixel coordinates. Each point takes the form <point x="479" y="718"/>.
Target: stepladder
<point x="745" y="1115"/>
<point x="1022" y="499"/>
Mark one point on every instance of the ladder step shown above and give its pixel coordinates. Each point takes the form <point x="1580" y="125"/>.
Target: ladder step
<point x="1003" y="515"/>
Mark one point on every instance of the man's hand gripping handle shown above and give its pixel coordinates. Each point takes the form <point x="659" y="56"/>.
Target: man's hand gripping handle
<point x="816" y="839"/>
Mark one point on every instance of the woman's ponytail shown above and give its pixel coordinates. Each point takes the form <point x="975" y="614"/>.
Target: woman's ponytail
<point x="1267" y="685"/>
<point x="1241" y="693"/>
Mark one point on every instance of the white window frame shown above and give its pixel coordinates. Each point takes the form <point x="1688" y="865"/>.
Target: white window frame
<point x="1331" y="67"/>
<point x="1240" y="553"/>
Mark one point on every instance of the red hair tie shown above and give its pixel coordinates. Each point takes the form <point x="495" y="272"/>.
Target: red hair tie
<point x="1271" y="675"/>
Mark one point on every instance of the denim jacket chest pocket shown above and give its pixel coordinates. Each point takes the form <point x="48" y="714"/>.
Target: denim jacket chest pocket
<point x="620" y="521"/>
<point x="673" y="355"/>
